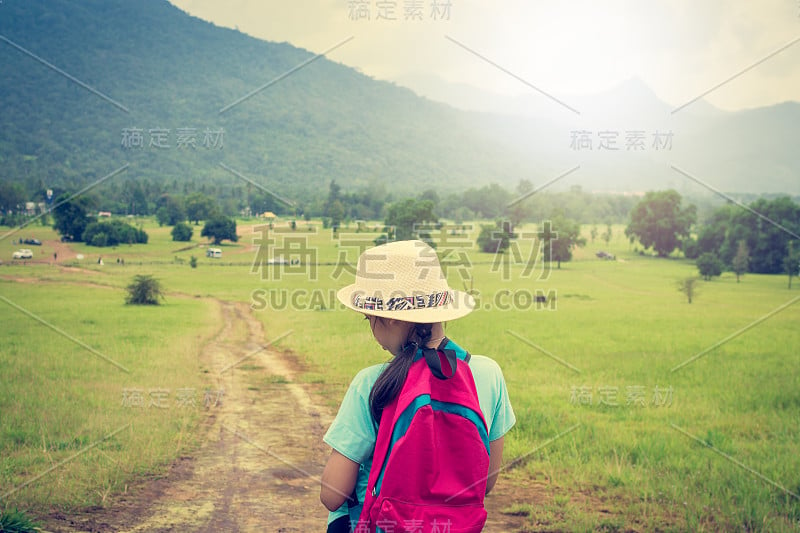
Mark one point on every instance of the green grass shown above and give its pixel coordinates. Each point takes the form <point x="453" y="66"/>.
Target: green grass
<point x="623" y="324"/>
<point x="16" y="521"/>
<point x="61" y="402"/>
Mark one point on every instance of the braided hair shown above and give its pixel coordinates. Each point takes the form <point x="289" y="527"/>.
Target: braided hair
<point x="391" y="380"/>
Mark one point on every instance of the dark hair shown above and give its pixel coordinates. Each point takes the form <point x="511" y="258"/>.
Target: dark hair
<point x="391" y="380"/>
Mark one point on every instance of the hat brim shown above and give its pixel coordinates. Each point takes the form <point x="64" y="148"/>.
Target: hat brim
<point x="460" y="305"/>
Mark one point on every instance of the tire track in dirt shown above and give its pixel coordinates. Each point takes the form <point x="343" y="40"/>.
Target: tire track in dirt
<point x="256" y="470"/>
<point x="259" y="461"/>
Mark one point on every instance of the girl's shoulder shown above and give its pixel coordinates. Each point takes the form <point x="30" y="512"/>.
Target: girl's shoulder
<point x="483" y="363"/>
<point x="367" y="376"/>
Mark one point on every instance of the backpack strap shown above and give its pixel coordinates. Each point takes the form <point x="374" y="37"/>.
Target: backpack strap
<point x="433" y="357"/>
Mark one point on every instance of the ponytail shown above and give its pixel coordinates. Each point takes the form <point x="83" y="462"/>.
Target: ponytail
<point x="391" y="380"/>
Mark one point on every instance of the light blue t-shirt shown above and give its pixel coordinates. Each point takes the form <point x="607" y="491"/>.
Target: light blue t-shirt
<point x="353" y="432"/>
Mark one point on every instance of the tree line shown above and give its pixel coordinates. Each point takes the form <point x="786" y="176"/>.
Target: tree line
<point x="75" y="220"/>
<point x="761" y="237"/>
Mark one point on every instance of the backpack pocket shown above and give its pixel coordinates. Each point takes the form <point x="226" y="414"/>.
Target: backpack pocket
<point x="394" y="515"/>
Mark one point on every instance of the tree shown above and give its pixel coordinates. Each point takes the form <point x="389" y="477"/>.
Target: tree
<point x="690" y="248"/>
<point x="709" y="265"/>
<point x="12" y="196"/>
<point x="430" y="194"/>
<point x="520" y="208"/>
<point x="72" y="216"/>
<point x="712" y="235"/>
<point x="220" y="227"/>
<point x="144" y="290"/>
<point x="182" y="232"/>
<point x="336" y="213"/>
<point x="112" y="233"/>
<point x="560" y="236"/>
<point x="688" y="287"/>
<point x="659" y="221"/>
<point x="200" y="207"/>
<point x="334" y="208"/>
<point x="490" y="201"/>
<point x="607" y="236"/>
<point x="593" y="233"/>
<point x="767" y="236"/>
<point x="495" y="238"/>
<point x="791" y="263"/>
<point x="134" y="196"/>
<point x="408" y="215"/>
<point x="170" y="210"/>
<point x="741" y="260"/>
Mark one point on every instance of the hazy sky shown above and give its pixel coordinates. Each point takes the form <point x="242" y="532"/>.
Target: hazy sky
<point x="680" y="48"/>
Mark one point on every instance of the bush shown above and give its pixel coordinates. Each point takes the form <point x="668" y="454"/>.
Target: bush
<point x="16" y="522"/>
<point x="99" y="239"/>
<point x="182" y="232"/>
<point x="115" y="231"/>
<point x="144" y="290"/>
<point x="383" y="239"/>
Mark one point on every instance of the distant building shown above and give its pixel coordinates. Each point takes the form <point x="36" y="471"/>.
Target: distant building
<point x="106" y="214"/>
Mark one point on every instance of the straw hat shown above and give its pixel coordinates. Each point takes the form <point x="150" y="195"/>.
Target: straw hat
<point x="403" y="280"/>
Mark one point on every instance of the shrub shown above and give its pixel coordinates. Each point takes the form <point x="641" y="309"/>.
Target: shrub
<point x="115" y="231"/>
<point x="99" y="239"/>
<point x="16" y="522"/>
<point x="182" y="232"/>
<point x="144" y="290"/>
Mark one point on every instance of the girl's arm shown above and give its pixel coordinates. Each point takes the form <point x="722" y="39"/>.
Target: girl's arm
<point x="495" y="462"/>
<point x="338" y="480"/>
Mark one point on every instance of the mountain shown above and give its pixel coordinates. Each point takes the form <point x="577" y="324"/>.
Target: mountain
<point x="744" y="151"/>
<point x="157" y="68"/>
<point x="632" y="92"/>
<point x="83" y="79"/>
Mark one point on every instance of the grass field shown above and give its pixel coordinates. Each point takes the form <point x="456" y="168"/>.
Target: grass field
<point x="605" y="411"/>
<point x="63" y="402"/>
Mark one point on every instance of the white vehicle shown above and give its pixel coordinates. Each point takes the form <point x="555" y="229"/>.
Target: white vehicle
<point x="24" y="253"/>
<point x="213" y="252"/>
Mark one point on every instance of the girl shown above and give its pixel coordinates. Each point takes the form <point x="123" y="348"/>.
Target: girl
<point x="401" y="290"/>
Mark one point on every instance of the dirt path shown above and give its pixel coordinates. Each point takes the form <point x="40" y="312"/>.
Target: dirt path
<point x="258" y="466"/>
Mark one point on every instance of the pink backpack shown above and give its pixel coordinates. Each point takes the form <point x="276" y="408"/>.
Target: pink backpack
<point x="431" y="459"/>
